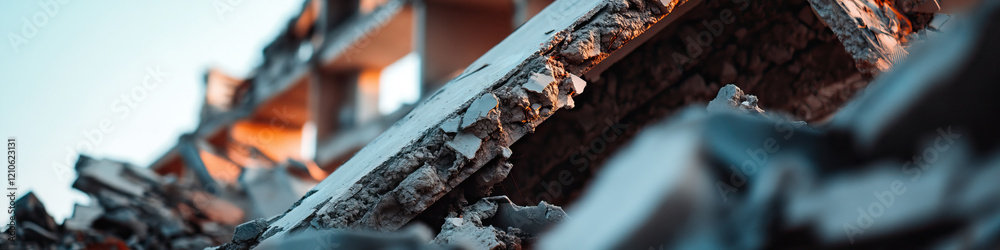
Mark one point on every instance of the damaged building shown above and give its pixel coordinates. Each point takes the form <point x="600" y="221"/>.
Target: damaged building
<point x="570" y="124"/>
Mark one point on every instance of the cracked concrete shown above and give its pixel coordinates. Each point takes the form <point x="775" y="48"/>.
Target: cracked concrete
<point x="873" y="32"/>
<point x="410" y="164"/>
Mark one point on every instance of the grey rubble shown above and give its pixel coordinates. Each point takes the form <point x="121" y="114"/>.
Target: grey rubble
<point x="132" y="207"/>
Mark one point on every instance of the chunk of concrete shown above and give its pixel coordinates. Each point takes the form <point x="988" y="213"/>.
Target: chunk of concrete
<point x="873" y="32"/>
<point x="732" y="98"/>
<point x="450" y="125"/>
<point x="495" y="222"/>
<point x="480" y="109"/>
<point x="249" y="230"/>
<point x="482" y="117"/>
<point x="538" y="82"/>
<point x="578" y="84"/>
<point x="466" y="144"/>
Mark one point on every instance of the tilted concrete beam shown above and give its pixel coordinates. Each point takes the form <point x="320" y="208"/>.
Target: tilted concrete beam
<point x="501" y="97"/>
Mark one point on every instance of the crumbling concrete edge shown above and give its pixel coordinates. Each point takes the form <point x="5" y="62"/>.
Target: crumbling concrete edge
<point x="423" y="170"/>
<point x="874" y="35"/>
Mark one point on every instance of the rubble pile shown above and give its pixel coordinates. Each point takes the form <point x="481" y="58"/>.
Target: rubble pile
<point x="905" y="165"/>
<point x="781" y="48"/>
<point x="132" y="208"/>
<point x="552" y="117"/>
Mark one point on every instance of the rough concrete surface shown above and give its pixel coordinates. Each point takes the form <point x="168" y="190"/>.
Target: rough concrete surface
<point x="407" y="168"/>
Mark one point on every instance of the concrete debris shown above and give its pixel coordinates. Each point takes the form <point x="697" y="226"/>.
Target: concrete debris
<point x="906" y="165"/>
<point x="482" y="117"/>
<point x="538" y="83"/>
<point x="874" y="32"/>
<point x="369" y="190"/>
<point x="445" y="164"/>
<point x="249" y="230"/>
<point x="578" y="84"/>
<point x="466" y="144"/>
<point x="450" y="126"/>
<point x="732" y="98"/>
<point x="132" y="209"/>
<point x="496" y="223"/>
<point x="583" y="47"/>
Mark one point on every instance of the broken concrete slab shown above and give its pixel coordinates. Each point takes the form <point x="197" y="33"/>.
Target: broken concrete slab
<point x="872" y="31"/>
<point x="359" y="193"/>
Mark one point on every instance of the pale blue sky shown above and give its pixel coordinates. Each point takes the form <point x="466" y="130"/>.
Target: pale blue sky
<point x="67" y="78"/>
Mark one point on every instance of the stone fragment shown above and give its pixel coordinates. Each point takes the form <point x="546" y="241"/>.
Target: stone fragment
<point x="578" y="84"/>
<point x="450" y="125"/>
<point x="249" y="230"/>
<point x="482" y="117"/>
<point x="83" y="216"/>
<point x="538" y="82"/>
<point x="496" y="223"/>
<point x="466" y="144"/>
<point x="732" y="98"/>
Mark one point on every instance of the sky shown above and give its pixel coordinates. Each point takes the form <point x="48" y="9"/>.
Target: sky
<point x="119" y="80"/>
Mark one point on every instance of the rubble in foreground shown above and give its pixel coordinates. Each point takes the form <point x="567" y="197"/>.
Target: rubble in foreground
<point x="132" y="208"/>
<point x="905" y="165"/>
